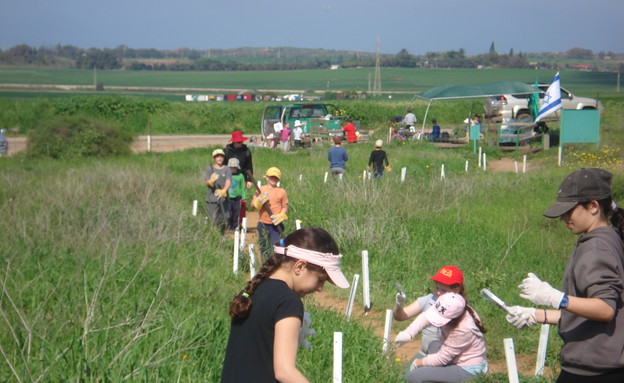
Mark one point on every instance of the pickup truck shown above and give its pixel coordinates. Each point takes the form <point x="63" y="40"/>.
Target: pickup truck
<point x="516" y="106"/>
<point x="317" y="120"/>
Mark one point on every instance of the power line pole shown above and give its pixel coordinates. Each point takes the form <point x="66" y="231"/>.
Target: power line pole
<point x="377" y="81"/>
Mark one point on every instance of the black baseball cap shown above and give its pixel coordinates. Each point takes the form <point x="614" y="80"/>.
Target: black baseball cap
<point x="581" y="186"/>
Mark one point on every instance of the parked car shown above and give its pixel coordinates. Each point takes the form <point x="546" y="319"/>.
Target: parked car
<point x="4" y="144"/>
<point x="515" y="106"/>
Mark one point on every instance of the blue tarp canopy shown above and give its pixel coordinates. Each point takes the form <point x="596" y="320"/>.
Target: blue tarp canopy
<point x="478" y="90"/>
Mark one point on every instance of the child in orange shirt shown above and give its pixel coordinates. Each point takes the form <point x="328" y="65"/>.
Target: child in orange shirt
<point x="272" y="203"/>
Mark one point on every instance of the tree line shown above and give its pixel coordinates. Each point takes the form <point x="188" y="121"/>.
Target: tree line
<point x="280" y="58"/>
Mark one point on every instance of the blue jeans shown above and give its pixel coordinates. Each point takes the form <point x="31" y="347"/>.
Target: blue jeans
<point x="267" y="236"/>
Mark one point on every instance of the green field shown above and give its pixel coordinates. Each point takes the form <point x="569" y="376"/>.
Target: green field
<point x="107" y="276"/>
<point x="411" y="81"/>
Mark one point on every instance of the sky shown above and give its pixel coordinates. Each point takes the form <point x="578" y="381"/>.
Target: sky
<point x="354" y="25"/>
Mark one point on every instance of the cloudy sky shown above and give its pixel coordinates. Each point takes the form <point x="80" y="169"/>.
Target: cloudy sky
<point x="416" y="25"/>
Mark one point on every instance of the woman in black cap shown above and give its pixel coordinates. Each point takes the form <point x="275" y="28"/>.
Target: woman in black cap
<point x="589" y="311"/>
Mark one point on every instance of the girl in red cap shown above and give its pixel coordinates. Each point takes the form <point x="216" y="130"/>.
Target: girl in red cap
<point x="267" y="315"/>
<point x="461" y="357"/>
<point x="448" y="279"/>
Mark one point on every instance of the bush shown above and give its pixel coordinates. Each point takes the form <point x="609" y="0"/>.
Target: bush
<point x="76" y="137"/>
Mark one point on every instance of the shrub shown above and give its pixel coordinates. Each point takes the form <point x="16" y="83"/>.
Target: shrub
<point x="76" y="137"/>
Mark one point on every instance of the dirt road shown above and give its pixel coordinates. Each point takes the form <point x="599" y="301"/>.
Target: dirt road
<point x="158" y="144"/>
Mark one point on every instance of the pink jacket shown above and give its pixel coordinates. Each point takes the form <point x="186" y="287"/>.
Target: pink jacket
<point x="462" y="345"/>
<point x="285" y="134"/>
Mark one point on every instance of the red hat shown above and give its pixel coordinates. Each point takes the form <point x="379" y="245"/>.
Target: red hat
<point x="237" y="136"/>
<point x="449" y="275"/>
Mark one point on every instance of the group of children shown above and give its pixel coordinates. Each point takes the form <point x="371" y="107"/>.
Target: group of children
<point x="267" y="315"/>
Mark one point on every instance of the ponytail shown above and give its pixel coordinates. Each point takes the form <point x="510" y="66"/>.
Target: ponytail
<point x="616" y="214"/>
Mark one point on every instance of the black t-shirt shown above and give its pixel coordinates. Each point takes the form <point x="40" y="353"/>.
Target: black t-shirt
<point x="249" y="353"/>
<point x="243" y="154"/>
<point x="377" y="159"/>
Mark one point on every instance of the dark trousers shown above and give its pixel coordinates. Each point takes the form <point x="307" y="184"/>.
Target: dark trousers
<point x="218" y="213"/>
<point x="267" y="236"/>
<point x="235" y="208"/>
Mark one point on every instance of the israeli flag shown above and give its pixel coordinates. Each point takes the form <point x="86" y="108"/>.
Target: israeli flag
<point x="552" y="99"/>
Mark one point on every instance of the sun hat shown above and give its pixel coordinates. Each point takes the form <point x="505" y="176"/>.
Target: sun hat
<point x="273" y="172"/>
<point x="297" y="123"/>
<point x="378" y="143"/>
<point x="237" y="136"/>
<point x="580" y="186"/>
<point x="328" y="261"/>
<point x="218" y="152"/>
<point x="446" y="308"/>
<point x="449" y="275"/>
<point x="234" y="163"/>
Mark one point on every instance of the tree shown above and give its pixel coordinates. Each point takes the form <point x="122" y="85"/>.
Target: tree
<point x="579" y="53"/>
<point x="492" y="49"/>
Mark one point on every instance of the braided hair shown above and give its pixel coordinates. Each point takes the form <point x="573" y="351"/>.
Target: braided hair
<point x="311" y="238"/>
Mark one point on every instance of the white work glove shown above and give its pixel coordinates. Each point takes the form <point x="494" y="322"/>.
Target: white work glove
<point x="402" y="338"/>
<point x="400" y="299"/>
<point x="539" y="292"/>
<point x="521" y="317"/>
<point x="306" y="331"/>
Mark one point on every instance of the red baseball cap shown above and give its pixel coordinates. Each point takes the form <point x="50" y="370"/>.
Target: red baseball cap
<point x="449" y="275"/>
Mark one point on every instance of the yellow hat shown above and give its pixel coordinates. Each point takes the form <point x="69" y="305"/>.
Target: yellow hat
<point x="273" y="172"/>
<point x="217" y="152"/>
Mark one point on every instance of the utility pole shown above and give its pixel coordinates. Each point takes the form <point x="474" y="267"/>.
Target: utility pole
<point x="377" y="81"/>
<point x="94" y="78"/>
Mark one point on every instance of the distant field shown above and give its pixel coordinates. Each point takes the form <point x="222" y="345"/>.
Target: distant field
<point x="410" y="81"/>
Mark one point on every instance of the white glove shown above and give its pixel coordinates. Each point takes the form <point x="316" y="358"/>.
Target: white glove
<point x="539" y="292"/>
<point x="402" y="338"/>
<point x="400" y="299"/>
<point x="306" y="331"/>
<point x="521" y="317"/>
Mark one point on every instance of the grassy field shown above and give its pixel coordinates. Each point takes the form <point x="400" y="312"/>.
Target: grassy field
<point x="411" y="81"/>
<point x="108" y="277"/>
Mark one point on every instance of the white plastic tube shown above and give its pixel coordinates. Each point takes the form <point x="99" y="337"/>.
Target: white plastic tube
<point x="540" y="361"/>
<point x="252" y="261"/>
<point x="337" y="378"/>
<point x="403" y="173"/>
<point x="236" y="247"/>
<point x="243" y="234"/>
<point x="387" y="330"/>
<point x="195" y="208"/>
<point x="365" y="281"/>
<point x="356" y="279"/>
<point x="510" y="356"/>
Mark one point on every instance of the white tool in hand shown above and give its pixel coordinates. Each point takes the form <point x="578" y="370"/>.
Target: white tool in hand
<point x="490" y="296"/>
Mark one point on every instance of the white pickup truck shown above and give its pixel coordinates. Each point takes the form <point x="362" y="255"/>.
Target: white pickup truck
<point x="515" y="106"/>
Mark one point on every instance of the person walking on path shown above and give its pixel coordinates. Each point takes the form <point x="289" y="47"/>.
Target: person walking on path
<point x="272" y="203"/>
<point x="236" y="193"/>
<point x="379" y="160"/>
<point x="588" y="310"/>
<point x="267" y="315"/>
<point x="337" y="157"/>
<point x="218" y="180"/>
<point x="237" y="149"/>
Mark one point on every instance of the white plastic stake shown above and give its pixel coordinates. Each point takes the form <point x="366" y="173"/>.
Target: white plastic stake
<point x="243" y="234"/>
<point x="480" y="156"/>
<point x="149" y="143"/>
<point x="541" y="350"/>
<point x="442" y="174"/>
<point x="403" y="172"/>
<point x="365" y="281"/>
<point x="516" y="165"/>
<point x="510" y="356"/>
<point x="466" y="166"/>
<point x="524" y="165"/>
<point x="370" y="174"/>
<point x="356" y="278"/>
<point x="259" y="184"/>
<point x="340" y="176"/>
<point x="337" y="358"/>
<point x="236" y="242"/>
<point x="484" y="162"/>
<point x="387" y="330"/>
<point x="298" y="224"/>
<point x="300" y="177"/>
<point x="252" y="261"/>
<point x="325" y="179"/>
<point x="559" y="156"/>
<point x="195" y="208"/>
<point x="364" y="176"/>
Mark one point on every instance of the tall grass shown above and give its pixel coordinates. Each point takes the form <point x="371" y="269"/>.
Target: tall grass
<point x="108" y="277"/>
